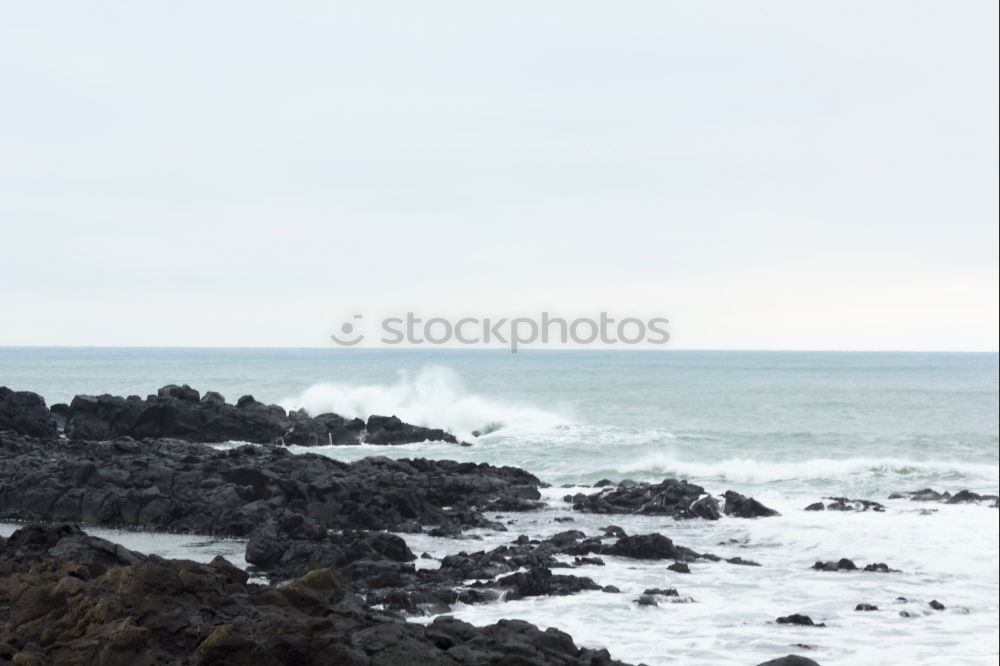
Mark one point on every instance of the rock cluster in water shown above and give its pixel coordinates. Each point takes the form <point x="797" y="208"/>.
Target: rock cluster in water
<point x="671" y="497"/>
<point x="960" y="497"/>
<point x="845" y="504"/>
<point x="844" y="564"/>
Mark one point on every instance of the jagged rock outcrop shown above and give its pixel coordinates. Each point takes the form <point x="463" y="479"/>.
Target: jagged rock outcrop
<point x="378" y="566"/>
<point x="171" y="485"/>
<point x="25" y="413"/>
<point x="68" y="599"/>
<point x="181" y="412"/>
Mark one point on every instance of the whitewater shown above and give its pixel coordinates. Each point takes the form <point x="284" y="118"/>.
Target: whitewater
<point x="786" y="428"/>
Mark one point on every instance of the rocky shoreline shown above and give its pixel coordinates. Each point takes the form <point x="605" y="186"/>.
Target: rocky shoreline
<point x="324" y="532"/>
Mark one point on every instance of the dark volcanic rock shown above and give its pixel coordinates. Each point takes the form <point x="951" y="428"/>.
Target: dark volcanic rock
<point x="25" y="413"/>
<point x="680" y="567"/>
<point x="936" y="605"/>
<point x="789" y="660"/>
<point x="66" y="542"/>
<point x="176" y="486"/>
<point x="961" y="497"/>
<point x="390" y="430"/>
<point x="648" y="547"/>
<point x="799" y="619"/>
<point x="324" y="429"/>
<point x="671" y="497"/>
<point x="844" y="504"/>
<point x="745" y="507"/>
<point x="473" y="577"/>
<point x="845" y="564"/>
<point x="880" y="567"/>
<point x="58" y="609"/>
<point x="542" y="582"/>
<point x="180" y="412"/>
<point x="866" y="607"/>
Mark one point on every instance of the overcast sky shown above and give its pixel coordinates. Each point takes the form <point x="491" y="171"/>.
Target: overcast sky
<point x="774" y="175"/>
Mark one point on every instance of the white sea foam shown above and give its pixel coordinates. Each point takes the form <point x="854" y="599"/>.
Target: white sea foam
<point x="761" y="471"/>
<point x="434" y="397"/>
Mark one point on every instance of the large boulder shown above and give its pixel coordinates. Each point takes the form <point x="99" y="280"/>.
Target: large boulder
<point x="740" y="506"/>
<point x="391" y="430"/>
<point x="25" y="413"/>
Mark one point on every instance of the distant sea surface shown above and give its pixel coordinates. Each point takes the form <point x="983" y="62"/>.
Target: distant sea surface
<point x="786" y="427"/>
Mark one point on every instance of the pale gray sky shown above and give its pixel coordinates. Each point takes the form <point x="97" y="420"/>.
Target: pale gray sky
<point x="795" y="175"/>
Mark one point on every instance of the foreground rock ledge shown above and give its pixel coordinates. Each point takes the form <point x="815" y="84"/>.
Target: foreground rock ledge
<point x="170" y="485"/>
<point x="69" y="598"/>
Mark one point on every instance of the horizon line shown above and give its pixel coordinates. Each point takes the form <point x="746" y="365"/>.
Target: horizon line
<point x="476" y="348"/>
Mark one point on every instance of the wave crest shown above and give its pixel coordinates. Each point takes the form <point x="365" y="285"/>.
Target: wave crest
<point x="435" y="397"/>
<point x="760" y="471"/>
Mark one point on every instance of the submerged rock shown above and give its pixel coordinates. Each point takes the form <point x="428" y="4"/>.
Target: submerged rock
<point x="799" y="619"/>
<point x="961" y="497"/>
<point x="789" y="660"/>
<point x="845" y="564"/>
<point x="845" y="504"/>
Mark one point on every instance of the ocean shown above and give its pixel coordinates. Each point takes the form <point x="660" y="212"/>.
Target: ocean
<point x="788" y="428"/>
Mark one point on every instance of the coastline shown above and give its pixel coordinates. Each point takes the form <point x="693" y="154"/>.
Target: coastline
<point x="286" y="505"/>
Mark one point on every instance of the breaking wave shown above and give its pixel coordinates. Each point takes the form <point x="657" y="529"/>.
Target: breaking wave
<point x="434" y="397"/>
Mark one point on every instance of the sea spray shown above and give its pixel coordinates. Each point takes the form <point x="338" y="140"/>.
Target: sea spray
<point x="433" y="397"/>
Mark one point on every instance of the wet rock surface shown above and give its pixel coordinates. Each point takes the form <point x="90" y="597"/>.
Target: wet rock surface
<point x="69" y="599"/>
<point x="303" y="512"/>
<point x="845" y="504"/>
<point x="799" y="619"/>
<point x="844" y="564"/>
<point x="171" y="485"/>
<point x="671" y="497"/>
<point x="380" y="570"/>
